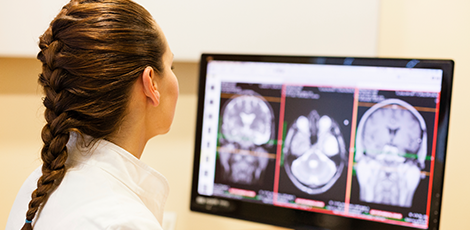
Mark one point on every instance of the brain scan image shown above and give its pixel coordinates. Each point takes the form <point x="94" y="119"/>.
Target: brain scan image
<point x="314" y="153"/>
<point x="391" y="147"/>
<point x="247" y="126"/>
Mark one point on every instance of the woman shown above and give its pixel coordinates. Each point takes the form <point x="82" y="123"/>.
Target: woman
<point x="108" y="88"/>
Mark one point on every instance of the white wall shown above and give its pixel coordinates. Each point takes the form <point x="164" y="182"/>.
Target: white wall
<point x="301" y="27"/>
<point x="21" y="24"/>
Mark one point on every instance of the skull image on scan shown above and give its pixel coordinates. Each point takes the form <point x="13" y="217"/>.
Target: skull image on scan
<point x="391" y="147"/>
<point x="314" y="153"/>
<point x="247" y="124"/>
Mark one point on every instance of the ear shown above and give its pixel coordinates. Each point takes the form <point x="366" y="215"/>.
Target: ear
<point x="150" y="86"/>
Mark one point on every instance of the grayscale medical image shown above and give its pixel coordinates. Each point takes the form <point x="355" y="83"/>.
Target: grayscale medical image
<point x="314" y="153"/>
<point x="246" y="127"/>
<point x="391" y="148"/>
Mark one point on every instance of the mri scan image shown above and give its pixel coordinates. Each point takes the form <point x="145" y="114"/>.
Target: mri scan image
<point x="391" y="147"/>
<point x="314" y="153"/>
<point x="246" y="127"/>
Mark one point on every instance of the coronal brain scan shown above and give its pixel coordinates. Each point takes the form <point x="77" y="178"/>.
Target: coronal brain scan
<point x="391" y="147"/>
<point x="314" y="153"/>
<point x="247" y="125"/>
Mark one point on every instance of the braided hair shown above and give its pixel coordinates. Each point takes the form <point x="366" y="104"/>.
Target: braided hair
<point x="91" y="54"/>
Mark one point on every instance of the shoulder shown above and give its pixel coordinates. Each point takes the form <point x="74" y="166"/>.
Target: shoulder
<point x="90" y="198"/>
<point x="113" y="220"/>
<point x="19" y="208"/>
<point x="86" y="221"/>
<point x="134" y="222"/>
<point x="108" y="210"/>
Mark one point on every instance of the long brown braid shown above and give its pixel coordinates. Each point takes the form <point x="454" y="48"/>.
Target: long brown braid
<point x="92" y="53"/>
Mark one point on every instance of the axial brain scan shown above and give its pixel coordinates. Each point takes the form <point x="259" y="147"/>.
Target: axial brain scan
<point x="314" y="153"/>
<point x="390" y="153"/>
<point x="247" y="127"/>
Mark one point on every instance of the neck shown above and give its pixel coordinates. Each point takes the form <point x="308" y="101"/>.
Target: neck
<point x="131" y="135"/>
<point x="132" y="145"/>
<point x="136" y="128"/>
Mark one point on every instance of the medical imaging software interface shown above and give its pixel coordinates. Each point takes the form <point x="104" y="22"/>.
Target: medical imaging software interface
<point x="351" y="141"/>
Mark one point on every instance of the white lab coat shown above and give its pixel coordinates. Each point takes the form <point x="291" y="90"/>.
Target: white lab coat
<point x="105" y="187"/>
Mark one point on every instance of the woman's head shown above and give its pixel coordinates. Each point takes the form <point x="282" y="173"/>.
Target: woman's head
<point x="92" y="54"/>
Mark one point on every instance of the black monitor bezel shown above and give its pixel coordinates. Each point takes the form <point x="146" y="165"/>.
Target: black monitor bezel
<point x="299" y="219"/>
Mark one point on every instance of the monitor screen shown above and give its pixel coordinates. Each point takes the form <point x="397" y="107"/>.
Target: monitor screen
<point x="322" y="142"/>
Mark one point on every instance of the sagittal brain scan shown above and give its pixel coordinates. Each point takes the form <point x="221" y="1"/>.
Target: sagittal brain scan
<point x="247" y="126"/>
<point x="313" y="153"/>
<point x="391" y="147"/>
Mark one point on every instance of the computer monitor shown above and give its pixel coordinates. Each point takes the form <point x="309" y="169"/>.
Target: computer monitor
<point x="331" y="143"/>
